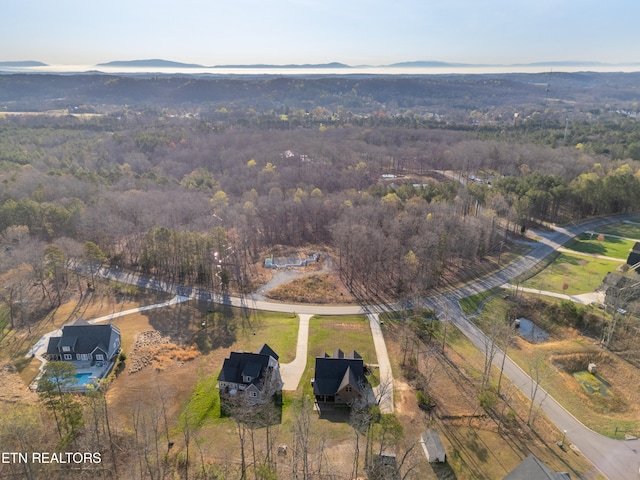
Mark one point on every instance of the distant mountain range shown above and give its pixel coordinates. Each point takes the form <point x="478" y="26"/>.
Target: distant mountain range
<point x="159" y="63"/>
<point x="27" y="63"/>
<point x="152" y="63"/>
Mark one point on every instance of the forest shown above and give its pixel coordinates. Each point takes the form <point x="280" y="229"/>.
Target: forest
<point x="408" y="182"/>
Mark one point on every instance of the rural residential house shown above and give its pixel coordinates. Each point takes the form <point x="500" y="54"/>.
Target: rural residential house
<point x="634" y="256"/>
<point x="255" y="375"/>
<point x="82" y="342"/>
<point x="339" y="379"/>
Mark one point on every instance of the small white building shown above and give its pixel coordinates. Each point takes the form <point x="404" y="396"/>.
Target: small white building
<point x="432" y="446"/>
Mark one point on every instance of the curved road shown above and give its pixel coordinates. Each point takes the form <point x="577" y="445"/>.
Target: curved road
<point x="616" y="459"/>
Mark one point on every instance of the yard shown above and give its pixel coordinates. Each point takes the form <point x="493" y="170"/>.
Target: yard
<point x="594" y="244"/>
<point x="572" y="274"/>
<point x="624" y="229"/>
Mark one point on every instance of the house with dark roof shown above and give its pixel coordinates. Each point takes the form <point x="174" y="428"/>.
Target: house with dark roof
<point x="532" y="468"/>
<point x="255" y="375"/>
<point x="634" y="255"/>
<point x="85" y="344"/>
<point x="339" y="379"/>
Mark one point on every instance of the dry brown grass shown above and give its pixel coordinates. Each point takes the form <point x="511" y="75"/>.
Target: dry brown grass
<point x="325" y="288"/>
<point x="170" y="353"/>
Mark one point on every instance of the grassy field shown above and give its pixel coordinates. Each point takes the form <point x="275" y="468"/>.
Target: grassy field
<point x="625" y="229"/>
<point x="609" y="247"/>
<point x="579" y="274"/>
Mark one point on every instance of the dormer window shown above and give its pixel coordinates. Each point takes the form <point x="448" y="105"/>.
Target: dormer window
<point x="247" y="379"/>
<point x="66" y="349"/>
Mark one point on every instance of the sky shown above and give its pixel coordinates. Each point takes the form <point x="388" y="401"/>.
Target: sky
<point x="355" y="32"/>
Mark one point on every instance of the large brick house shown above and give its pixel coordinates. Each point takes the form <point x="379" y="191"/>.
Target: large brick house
<point x="255" y="375"/>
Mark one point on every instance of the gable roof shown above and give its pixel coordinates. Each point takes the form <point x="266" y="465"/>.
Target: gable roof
<point x="246" y="364"/>
<point x="82" y="337"/>
<point x="532" y="468"/>
<point x="267" y="350"/>
<point x="332" y="374"/>
<point x="433" y="446"/>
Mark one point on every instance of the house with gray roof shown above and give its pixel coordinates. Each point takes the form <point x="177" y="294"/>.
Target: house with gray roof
<point x="432" y="446"/>
<point x="85" y="344"/>
<point x="339" y="379"/>
<point x="256" y="375"/>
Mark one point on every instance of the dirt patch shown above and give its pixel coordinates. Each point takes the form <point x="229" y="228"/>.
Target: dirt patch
<point x="153" y="348"/>
<point x="325" y="288"/>
<point x="13" y="388"/>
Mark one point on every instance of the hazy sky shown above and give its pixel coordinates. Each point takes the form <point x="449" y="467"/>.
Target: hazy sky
<point x="215" y="32"/>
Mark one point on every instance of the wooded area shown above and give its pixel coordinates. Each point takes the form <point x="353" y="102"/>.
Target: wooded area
<point x="411" y="181"/>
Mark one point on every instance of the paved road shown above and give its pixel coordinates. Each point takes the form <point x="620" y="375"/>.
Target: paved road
<point x="618" y="460"/>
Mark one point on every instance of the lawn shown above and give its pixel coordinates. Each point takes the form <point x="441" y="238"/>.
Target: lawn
<point x="625" y="229"/>
<point x="471" y="304"/>
<point x="328" y="333"/>
<point x="572" y="274"/>
<point x="609" y="247"/>
<point x="278" y="330"/>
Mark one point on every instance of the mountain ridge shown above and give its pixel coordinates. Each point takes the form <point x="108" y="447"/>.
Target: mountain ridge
<point x="161" y="63"/>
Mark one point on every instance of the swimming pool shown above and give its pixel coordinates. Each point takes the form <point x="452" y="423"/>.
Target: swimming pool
<point x="84" y="379"/>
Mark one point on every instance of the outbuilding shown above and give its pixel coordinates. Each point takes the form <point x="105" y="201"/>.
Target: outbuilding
<point x="433" y="448"/>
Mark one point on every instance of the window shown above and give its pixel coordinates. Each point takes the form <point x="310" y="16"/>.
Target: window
<point x="348" y="389"/>
<point x="253" y="394"/>
<point x="66" y="349"/>
<point x="67" y="356"/>
<point x="99" y="356"/>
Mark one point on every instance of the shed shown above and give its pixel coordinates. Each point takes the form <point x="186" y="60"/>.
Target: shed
<point x="532" y="468"/>
<point x="432" y="446"/>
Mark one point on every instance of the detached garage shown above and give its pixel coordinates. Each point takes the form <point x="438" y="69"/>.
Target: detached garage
<point x="432" y="446"/>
